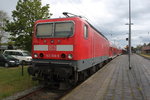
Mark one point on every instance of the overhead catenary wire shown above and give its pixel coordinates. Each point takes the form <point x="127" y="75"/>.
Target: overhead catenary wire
<point x="91" y="19"/>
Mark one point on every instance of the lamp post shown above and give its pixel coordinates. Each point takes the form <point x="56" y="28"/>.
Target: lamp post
<point x="129" y="38"/>
<point x="130" y="34"/>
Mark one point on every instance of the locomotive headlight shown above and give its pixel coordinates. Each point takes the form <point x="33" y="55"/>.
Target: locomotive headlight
<point x="35" y="55"/>
<point x="63" y="55"/>
<point x="70" y="56"/>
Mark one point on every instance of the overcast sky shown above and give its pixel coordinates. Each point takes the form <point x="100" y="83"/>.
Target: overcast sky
<point x="108" y="16"/>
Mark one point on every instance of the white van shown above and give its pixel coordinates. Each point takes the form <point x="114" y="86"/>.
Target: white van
<point x="21" y="55"/>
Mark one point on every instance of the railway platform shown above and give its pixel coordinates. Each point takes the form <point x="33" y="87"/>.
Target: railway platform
<point x="116" y="82"/>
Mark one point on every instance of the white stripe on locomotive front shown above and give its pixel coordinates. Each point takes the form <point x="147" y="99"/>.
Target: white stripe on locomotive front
<point x="64" y="47"/>
<point x="40" y="47"/>
<point x="58" y="47"/>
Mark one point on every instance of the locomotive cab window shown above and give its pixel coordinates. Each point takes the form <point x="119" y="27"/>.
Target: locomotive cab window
<point x="45" y="29"/>
<point x="63" y="29"/>
<point x="85" y="31"/>
<point x="56" y="29"/>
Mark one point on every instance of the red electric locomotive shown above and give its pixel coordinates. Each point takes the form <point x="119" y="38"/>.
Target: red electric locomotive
<point x="66" y="50"/>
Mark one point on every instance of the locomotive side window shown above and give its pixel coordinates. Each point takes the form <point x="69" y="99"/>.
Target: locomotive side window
<point x="63" y="29"/>
<point x="45" y="29"/>
<point x="85" y="31"/>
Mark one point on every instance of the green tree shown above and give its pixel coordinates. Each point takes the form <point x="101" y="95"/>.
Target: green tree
<point x="138" y="47"/>
<point x="144" y="44"/>
<point x="21" y="28"/>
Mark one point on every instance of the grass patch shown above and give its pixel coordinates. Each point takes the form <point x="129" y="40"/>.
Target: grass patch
<point x="145" y="55"/>
<point x="12" y="81"/>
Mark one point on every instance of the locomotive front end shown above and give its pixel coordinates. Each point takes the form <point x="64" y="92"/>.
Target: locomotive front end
<point x="53" y="51"/>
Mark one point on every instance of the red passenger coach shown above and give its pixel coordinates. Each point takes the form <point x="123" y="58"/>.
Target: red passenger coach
<point x="66" y="50"/>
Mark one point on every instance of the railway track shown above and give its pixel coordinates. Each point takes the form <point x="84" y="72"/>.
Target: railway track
<point x="44" y="93"/>
<point x="38" y="93"/>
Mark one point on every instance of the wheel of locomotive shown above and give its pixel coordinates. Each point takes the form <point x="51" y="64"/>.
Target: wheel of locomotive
<point x="94" y="69"/>
<point x="81" y="76"/>
<point x="91" y="71"/>
<point x="97" y="67"/>
<point x="100" y="65"/>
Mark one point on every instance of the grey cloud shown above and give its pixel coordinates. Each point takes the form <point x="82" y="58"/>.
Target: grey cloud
<point x="145" y="39"/>
<point x="67" y="1"/>
<point x="8" y="6"/>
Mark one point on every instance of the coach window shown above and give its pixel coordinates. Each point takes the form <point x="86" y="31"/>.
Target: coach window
<point x="85" y="31"/>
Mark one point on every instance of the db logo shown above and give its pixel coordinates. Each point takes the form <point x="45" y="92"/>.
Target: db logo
<point x="52" y="48"/>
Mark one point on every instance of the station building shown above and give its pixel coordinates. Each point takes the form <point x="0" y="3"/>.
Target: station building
<point x="146" y="49"/>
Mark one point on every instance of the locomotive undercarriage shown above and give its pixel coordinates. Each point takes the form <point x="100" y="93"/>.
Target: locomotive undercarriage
<point x="54" y="75"/>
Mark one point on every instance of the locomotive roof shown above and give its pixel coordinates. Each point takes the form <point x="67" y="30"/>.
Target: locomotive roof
<point x="79" y="18"/>
<point x="96" y="30"/>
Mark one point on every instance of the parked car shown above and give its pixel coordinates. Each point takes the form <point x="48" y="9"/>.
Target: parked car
<point x="8" y="60"/>
<point x="23" y="56"/>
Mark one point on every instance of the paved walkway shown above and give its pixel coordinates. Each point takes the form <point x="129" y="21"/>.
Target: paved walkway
<point x="116" y="82"/>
